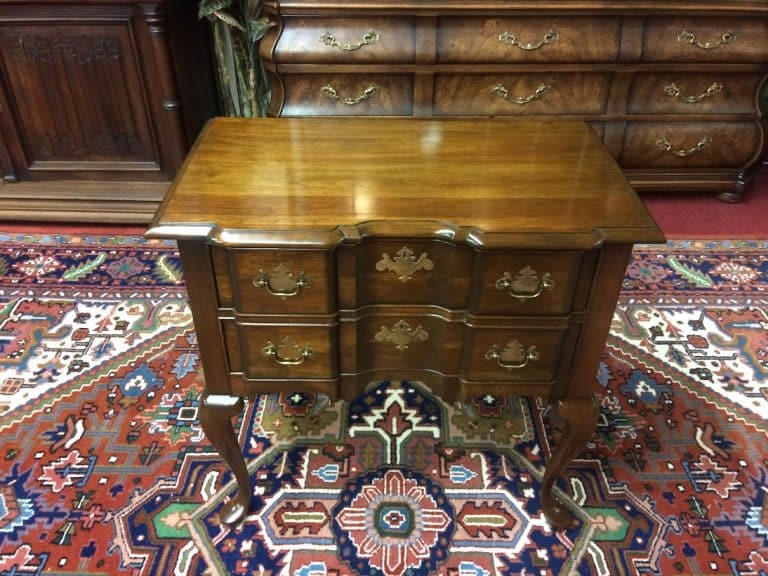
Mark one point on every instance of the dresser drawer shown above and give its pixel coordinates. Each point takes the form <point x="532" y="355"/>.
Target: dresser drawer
<point x="387" y="341"/>
<point x="283" y="281"/>
<point x="348" y="94"/>
<point x="689" y="144"/>
<point x="282" y="351"/>
<point x="409" y="271"/>
<point x="342" y="40"/>
<point x="705" y="39"/>
<point x="513" y="353"/>
<point x="528" y="39"/>
<point x="526" y="93"/>
<point x="525" y="283"/>
<point x="694" y="93"/>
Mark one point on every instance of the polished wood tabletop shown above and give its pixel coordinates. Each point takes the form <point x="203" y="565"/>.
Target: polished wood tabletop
<point x="526" y="176"/>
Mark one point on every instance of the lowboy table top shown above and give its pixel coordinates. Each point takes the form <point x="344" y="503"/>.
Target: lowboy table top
<point x="482" y="177"/>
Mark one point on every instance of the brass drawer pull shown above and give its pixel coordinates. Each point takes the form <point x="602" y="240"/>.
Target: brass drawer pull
<point x="331" y="93"/>
<point x="549" y="38"/>
<point x="404" y="263"/>
<point x="673" y="90"/>
<point x="281" y="282"/>
<point x="526" y="284"/>
<point x="371" y="37"/>
<point x="686" y="37"/>
<point x="500" y="90"/>
<point x="666" y="145"/>
<point x="401" y="335"/>
<point x="272" y="351"/>
<point x="513" y="356"/>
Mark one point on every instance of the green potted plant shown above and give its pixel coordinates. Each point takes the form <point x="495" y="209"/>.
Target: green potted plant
<point x="236" y="27"/>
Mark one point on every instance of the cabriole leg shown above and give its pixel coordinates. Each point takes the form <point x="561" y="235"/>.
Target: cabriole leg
<point x="580" y="415"/>
<point x="216" y="412"/>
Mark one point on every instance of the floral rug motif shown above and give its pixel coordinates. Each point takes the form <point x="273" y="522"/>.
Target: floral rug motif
<point x="106" y="469"/>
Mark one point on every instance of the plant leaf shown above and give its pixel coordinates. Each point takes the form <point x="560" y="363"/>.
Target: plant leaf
<point x="229" y="19"/>
<point x="206" y="8"/>
<point x="258" y="28"/>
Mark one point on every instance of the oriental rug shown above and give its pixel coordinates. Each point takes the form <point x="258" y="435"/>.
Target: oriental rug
<point x="105" y="469"/>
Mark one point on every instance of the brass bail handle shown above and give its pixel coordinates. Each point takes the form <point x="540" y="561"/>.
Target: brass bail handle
<point x="513" y="356"/>
<point x="526" y="285"/>
<point x="282" y="282"/>
<point x="272" y="351"/>
<point x="370" y="37"/>
<point x="666" y="145"/>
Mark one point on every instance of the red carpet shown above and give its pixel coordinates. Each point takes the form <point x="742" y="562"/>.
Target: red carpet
<point x="694" y="216"/>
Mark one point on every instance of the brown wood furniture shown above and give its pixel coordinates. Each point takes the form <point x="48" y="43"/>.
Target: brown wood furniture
<point x="672" y="86"/>
<point x="321" y="254"/>
<point x="99" y="102"/>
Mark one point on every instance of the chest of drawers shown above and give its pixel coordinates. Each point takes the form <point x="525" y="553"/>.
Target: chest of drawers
<point x="672" y="87"/>
<point x="478" y="257"/>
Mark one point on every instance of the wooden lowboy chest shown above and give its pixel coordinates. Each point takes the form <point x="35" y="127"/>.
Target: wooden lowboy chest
<point x="673" y="87"/>
<point x="478" y="257"/>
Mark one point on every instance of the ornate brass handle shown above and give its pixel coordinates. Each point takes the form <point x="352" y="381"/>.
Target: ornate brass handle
<point x="331" y="93"/>
<point x="281" y="282"/>
<point x="542" y="89"/>
<point x="513" y="356"/>
<point x="686" y="37"/>
<point x="371" y="37"/>
<point x="666" y="145"/>
<point x="526" y="284"/>
<point x="549" y="38"/>
<point x="404" y="263"/>
<point x="272" y="351"/>
<point x="674" y="91"/>
<point x="401" y="335"/>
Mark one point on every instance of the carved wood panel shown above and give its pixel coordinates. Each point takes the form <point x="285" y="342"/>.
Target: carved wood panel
<point x="75" y="93"/>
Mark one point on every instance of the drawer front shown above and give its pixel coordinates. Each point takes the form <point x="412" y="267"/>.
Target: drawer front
<point x="530" y="93"/>
<point x="513" y="354"/>
<point x="526" y="283"/>
<point x="270" y="281"/>
<point x="409" y="272"/>
<point x="528" y="39"/>
<point x="689" y="144"/>
<point x="348" y="94"/>
<point x="699" y="93"/>
<point x="342" y="40"/>
<point x="697" y="39"/>
<point x="403" y="342"/>
<point x="275" y="351"/>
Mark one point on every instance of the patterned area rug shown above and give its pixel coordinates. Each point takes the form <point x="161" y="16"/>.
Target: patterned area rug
<point x="106" y="471"/>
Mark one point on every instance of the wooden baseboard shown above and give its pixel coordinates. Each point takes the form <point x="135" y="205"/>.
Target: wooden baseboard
<point x="82" y="202"/>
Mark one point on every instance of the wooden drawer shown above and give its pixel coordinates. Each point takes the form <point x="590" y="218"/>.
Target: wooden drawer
<point x="690" y="144"/>
<point x="348" y="94"/>
<point x="527" y="93"/>
<point x="513" y="353"/>
<point x="705" y="39"/>
<point x="390" y="341"/>
<point x="694" y="93"/>
<point x="341" y="40"/>
<point x="283" y="351"/>
<point x="525" y="283"/>
<point x="270" y="281"/>
<point x="528" y="39"/>
<point x="405" y="272"/>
